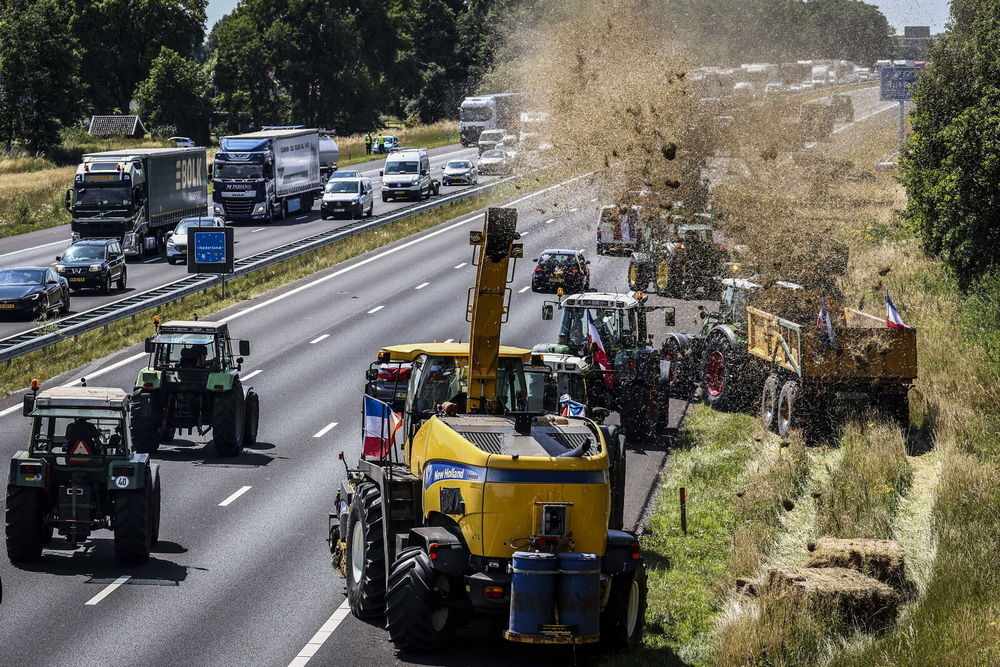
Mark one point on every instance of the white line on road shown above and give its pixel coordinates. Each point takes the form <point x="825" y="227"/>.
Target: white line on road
<point x="375" y="309"/>
<point x="251" y="374"/>
<point x="865" y="117"/>
<point x="108" y="369"/>
<point x="230" y="499"/>
<point x="421" y="285"/>
<point x="450" y="340"/>
<point x="593" y="200"/>
<point x="302" y="217"/>
<point x="323" y="431"/>
<point x="318" y="639"/>
<point x="318" y="339"/>
<point x="461" y="265"/>
<point x="573" y="210"/>
<point x="108" y="590"/>
<point x="523" y="233"/>
<point x="7" y="411"/>
<point x="524" y="289"/>
<point x="150" y="261"/>
<point x="390" y="251"/>
<point x="44" y="245"/>
<point x="259" y="229"/>
<point x="550" y="221"/>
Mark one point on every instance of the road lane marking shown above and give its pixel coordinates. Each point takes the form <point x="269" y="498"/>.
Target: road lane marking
<point x="251" y="374"/>
<point x="573" y="210"/>
<point x="524" y="289"/>
<point x="375" y="309"/>
<point x="865" y="117"/>
<point x="421" y="285"/>
<point x="37" y="247"/>
<point x="108" y="590"/>
<point x="461" y="265"/>
<point x="150" y="261"/>
<point x="228" y="501"/>
<point x="7" y="411"/>
<point x="593" y="200"/>
<point x="259" y="229"/>
<point x="316" y="340"/>
<point x="523" y="233"/>
<point x="302" y="217"/>
<point x="318" y="639"/>
<point x="323" y="431"/>
<point x="391" y="251"/>
<point x="550" y="221"/>
<point x="107" y="369"/>
<point x="450" y="340"/>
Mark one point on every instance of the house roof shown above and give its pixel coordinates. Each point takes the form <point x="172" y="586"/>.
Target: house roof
<point x="110" y="126"/>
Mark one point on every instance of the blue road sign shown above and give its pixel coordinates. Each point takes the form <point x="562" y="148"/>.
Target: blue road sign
<point x="209" y="247"/>
<point x="896" y="82"/>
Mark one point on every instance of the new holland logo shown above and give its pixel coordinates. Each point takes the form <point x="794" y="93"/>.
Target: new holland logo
<point x="445" y="472"/>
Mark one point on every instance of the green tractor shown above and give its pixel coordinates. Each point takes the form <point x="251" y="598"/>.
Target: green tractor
<point x="683" y="263"/>
<point x="81" y="473"/>
<point x="193" y="382"/>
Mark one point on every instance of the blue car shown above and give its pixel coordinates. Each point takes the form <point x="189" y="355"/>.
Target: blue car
<point x="391" y="144"/>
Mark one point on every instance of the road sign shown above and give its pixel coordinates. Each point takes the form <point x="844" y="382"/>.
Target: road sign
<point x="210" y="249"/>
<point x="896" y="82"/>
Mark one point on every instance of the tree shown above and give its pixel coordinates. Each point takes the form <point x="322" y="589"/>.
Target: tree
<point x="175" y="95"/>
<point x="120" y="39"/>
<point x="951" y="162"/>
<point x="39" y="62"/>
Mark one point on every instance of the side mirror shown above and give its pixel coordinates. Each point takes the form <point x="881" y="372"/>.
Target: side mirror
<point x="534" y="260"/>
<point x="669" y="317"/>
<point x="380" y="173"/>
<point x="68" y="203"/>
<point x="150" y="345"/>
<point x="58" y="258"/>
<point x="423" y="172"/>
<point x="371" y="374"/>
<point x="239" y="361"/>
<point x="244" y="346"/>
<point x="702" y="314"/>
<point x="600" y="414"/>
<point x="29" y="404"/>
<point x="547" y="311"/>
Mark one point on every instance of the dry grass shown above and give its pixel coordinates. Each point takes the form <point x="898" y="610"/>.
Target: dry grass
<point x="442" y="133"/>
<point x="19" y="165"/>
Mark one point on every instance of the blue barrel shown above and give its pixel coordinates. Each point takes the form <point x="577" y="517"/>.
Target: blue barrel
<point x="532" y="591"/>
<point x="579" y="593"/>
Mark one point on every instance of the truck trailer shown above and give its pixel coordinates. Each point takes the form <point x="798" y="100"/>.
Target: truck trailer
<point x="488" y="112"/>
<point x="263" y="176"/>
<point x="137" y="196"/>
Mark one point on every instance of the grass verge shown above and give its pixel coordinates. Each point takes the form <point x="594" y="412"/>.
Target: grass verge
<point x="66" y="355"/>
<point x="442" y="133"/>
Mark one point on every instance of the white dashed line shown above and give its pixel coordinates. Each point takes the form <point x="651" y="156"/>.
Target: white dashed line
<point x="461" y="265"/>
<point x="523" y="233"/>
<point x="573" y="210"/>
<point x="318" y="339"/>
<point x="323" y="431"/>
<point x="7" y="411"/>
<point x="228" y="501"/>
<point x="318" y="639"/>
<point x="375" y="309"/>
<point x="108" y="369"/>
<point x="524" y="289"/>
<point x="251" y="374"/>
<point x="302" y="217"/>
<point x="108" y="590"/>
<point x="259" y="229"/>
<point x="550" y="221"/>
<point x="421" y="285"/>
<point x="44" y="245"/>
<point x="150" y="261"/>
<point x="450" y="340"/>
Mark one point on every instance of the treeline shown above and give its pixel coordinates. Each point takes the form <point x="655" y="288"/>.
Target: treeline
<point x="338" y="64"/>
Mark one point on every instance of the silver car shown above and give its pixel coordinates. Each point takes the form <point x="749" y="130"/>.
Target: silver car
<point x="495" y="162"/>
<point x="348" y="196"/>
<point x="460" y="172"/>
<point x="177" y="241"/>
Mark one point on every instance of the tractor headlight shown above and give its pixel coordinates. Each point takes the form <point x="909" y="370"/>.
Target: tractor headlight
<point x="554" y="520"/>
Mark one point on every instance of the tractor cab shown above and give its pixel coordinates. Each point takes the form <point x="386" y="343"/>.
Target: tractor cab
<point x="619" y="320"/>
<point x="737" y="293"/>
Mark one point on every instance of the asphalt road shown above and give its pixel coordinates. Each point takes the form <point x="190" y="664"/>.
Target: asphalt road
<point x="40" y="248"/>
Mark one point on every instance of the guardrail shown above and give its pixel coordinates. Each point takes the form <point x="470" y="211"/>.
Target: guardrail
<point x="74" y="325"/>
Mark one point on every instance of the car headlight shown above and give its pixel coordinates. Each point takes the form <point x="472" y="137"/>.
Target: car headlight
<point x="33" y="297"/>
<point x="260" y="208"/>
<point x="171" y="241"/>
<point x="60" y="268"/>
<point x="94" y="268"/>
<point x="218" y="209"/>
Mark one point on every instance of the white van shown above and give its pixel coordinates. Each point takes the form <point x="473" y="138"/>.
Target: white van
<point x="406" y="175"/>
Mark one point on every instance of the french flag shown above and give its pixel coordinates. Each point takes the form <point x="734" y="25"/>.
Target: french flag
<point x="596" y="346"/>
<point x="570" y="408"/>
<point x="825" y="324"/>
<point x="892" y="318"/>
<point x="380" y="428"/>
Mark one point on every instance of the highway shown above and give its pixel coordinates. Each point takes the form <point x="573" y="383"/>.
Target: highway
<point x="40" y="248"/>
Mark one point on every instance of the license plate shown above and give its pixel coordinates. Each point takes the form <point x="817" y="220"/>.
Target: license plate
<point x="557" y="280"/>
<point x="400" y="192"/>
<point x="77" y="280"/>
<point x="7" y="305"/>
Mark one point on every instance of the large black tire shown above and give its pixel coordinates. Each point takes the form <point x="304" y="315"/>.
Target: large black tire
<point x="787" y="417"/>
<point x="145" y="433"/>
<point x="769" y="403"/>
<point x="26" y="531"/>
<point x="366" y="581"/>
<point x="227" y="421"/>
<point x="680" y="377"/>
<point x="133" y="524"/>
<point x="251" y="418"/>
<point x="106" y="286"/>
<point x="719" y="375"/>
<point x="122" y="279"/>
<point x="417" y="617"/>
<point x="64" y="303"/>
<point x="663" y="277"/>
<point x="638" y="277"/>
<point x="624" y="617"/>
<point x="155" y="511"/>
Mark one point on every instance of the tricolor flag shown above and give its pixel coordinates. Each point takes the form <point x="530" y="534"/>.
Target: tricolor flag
<point x="892" y="318"/>
<point x="596" y="347"/>
<point x="570" y="408"/>
<point x="380" y="428"/>
<point x="825" y="324"/>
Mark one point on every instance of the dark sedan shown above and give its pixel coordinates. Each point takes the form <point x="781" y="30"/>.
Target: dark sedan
<point x="567" y="269"/>
<point x="97" y="263"/>
<point x="32" y="290"/>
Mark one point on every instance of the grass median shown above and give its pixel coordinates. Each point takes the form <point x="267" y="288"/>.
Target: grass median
<point x="80" y="350"/>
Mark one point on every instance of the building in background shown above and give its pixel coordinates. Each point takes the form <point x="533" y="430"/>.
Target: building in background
<point x="914" y="43"/>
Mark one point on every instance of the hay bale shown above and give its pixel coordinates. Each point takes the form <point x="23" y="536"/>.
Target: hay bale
<point x="881" y="559"/>
<point x="853" y="597"/>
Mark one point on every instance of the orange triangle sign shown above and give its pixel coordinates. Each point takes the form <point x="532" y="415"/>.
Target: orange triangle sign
<point x="80" y="447"/>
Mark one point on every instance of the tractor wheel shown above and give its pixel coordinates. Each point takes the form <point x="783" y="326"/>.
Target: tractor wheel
<point x="155" y="513"/>
<point x="680" y="377"/>
<point x="787" y="416"/>
<point x="365" y="555"/>
<point x="623" y="618"/>
<point x="719" y="374"/>
<point x="251" y="418"/>
<point x="663" y="278"/>
<point x="417" y="614"/>
<point x="145" y="433"/>
<point x="227" y="421"/>
<point x="133" y="523"/>
<point x="26" y="529"/>
<point x="634" y="422"/>
<point x="769" y="403"/>
<point x="636" y="273"/>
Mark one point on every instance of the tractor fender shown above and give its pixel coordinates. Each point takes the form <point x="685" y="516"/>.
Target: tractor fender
<point x="149" y="379"/>
<point x="641" y="258"/>
<point x="450" y="555"/>
<point x="726" y="332"/>
<point x="128" y="475"/>
<point x="19" y="478"/>
<point x="220" y="381"/>
<point x="618" y="555"/>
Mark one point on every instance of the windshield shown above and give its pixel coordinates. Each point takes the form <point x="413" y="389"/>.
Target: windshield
<point x="494" y="154"/>
<point x="58" y="434"/>
<point x="83" y="253"/>
<point x="185" y="351"/>
<point x="441" y="379"/>
<point x="609" y="322"/>
<point x="232" y="170"/>
<point x="491" y="135"/>
<point x="22" y="277"/>
<point x="561" y="259"/>
<point x="476" y="114"/>
<point x="243" y="145"/>
<point x="401" y="168"/>
<point x="459" y="164"/>
<point x="97" y="196"/>
<point x="343" y="186"/>
<point x="193" y="222"/>
<point x="345" y="174"/>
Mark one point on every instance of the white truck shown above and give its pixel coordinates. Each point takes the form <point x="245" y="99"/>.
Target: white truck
<point x="487" y="112"/>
